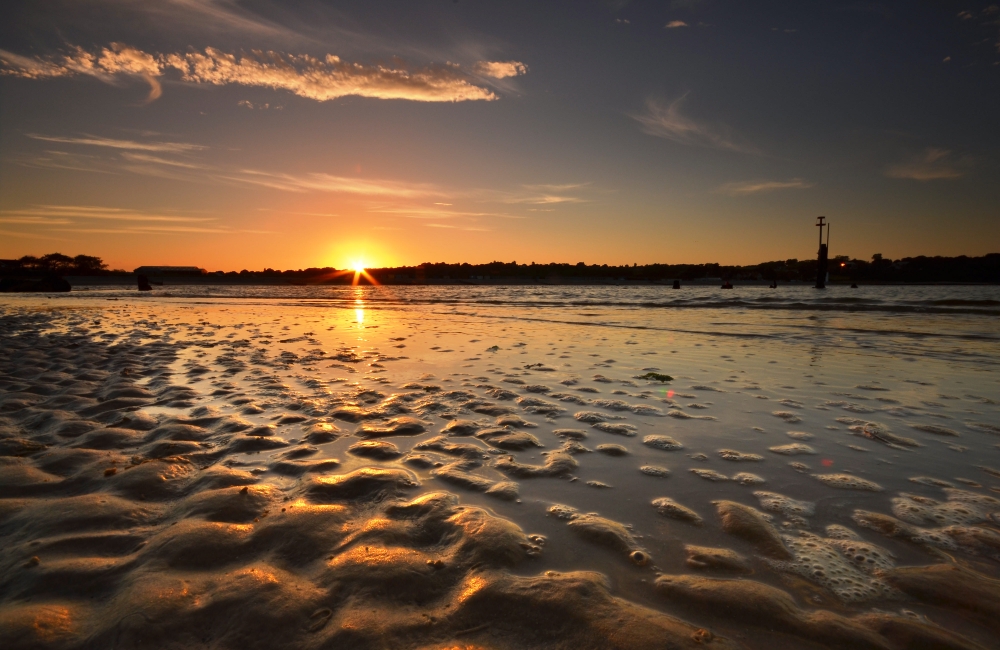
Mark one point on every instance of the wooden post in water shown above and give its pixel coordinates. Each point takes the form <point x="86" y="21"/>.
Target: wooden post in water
<point x="824" y="251"/>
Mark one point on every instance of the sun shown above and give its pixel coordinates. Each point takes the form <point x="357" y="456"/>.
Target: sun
<point x="358" y="267"/>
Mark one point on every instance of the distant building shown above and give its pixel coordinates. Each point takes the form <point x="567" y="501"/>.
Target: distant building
<point x="170" y="270"/>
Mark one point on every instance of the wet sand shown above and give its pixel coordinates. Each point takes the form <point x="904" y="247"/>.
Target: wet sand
<point x="240" y="472"/>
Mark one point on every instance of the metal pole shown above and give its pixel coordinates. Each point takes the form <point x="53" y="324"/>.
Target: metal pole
<point x="821" y="261"/>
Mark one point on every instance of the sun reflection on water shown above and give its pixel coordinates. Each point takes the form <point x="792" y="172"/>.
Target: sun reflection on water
<point x="359" y="307"/>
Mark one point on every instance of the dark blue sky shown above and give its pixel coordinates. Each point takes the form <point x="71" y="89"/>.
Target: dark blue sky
<point x="221" y="134"/>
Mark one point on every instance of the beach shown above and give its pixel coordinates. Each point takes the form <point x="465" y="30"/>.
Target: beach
<point x="500" y="467"/>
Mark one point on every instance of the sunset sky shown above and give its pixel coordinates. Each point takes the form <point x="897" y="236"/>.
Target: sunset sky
<point x="248" y="134"/>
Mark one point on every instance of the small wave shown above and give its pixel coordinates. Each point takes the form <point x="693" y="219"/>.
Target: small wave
<point x="969" y="301"/>
<point x="956" y="302"/>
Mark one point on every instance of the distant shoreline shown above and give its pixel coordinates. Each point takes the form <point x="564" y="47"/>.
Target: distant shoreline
<point x="920" y="270"/>
<point x="99" y="281"/>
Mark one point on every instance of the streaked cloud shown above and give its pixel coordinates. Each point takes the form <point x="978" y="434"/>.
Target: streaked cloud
<point x="180" y="161"/>
<point x="88" y="219"/>
<point x="423" y="212"/>
<point x="757" y="187"/>
<point x="157" y="160"/>
<point x="33" y="220"/>
<point x="668" y="122"/>
<point x="330" y="183"/>
<point x="546" y="194"/>
<point x="451" y="227"/>
<point x="674" y="24"/>
<point x="319" y="78"/>
<point x="565" y="187"/>
<point x="27" y="235"/>
<point x="43" y="212"/>
<point x="64" y="160"/>
<point x="218" y="15"/>
<point x="501" y="69"/>
<point x="546" y="199"/>
<point x="135" y="230"/>
<point x="95" y="141"/>
<point x="932" y="165"/>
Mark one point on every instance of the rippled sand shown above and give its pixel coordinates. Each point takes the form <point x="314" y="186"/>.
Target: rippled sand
<point x="242" y="474"/>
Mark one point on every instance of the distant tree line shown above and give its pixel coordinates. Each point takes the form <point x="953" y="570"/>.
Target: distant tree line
<point x="842" y="269"/>
<point x="920" y="269"/>
<point x="54" y="264"/>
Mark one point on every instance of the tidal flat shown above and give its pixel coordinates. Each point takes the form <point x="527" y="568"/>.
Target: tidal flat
<point x="500" y="467"/>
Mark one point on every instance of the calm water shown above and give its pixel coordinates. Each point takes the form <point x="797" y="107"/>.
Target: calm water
<point x="944" y="321"/>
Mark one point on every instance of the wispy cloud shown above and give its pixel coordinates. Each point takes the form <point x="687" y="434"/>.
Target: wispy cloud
<point x="932" y="165"/>
<point x="90" y="219"/>
<point x="150" y="229"/>
<point x="42" y="212"/>
<point x="33" y="220"/>
<point x="329" y="183"/>
<point x="65" y="160"/>
<point x="546" y="199"/>
<point x="667" y="121"/>
<point x="674" y="24"/>
<point x="27" y="235"/>
<point x="423" y="212"/>
<point x="431" y="204"/>
<point x="757" y="187"/>
<point x="180" y="161"/>
<point x="451" y="227"/>
<point x="157" y="160"/>
<point x="564" y="187"/>
<point x="318" y="78"/>
<point x="220" y="15"/>
<point x="546" y="194"/>
<point x="95" y="141"/>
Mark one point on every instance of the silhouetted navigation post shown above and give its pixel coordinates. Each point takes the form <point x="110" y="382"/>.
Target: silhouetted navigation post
<point x="823" y="253"/>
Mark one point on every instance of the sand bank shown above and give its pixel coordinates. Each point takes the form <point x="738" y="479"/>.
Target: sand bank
<point x="244" y="474"/>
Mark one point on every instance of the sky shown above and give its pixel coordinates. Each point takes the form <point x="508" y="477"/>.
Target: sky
<point x="244" y="134"/>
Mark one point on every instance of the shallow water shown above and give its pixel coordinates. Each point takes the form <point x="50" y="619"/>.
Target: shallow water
<point x="883" y="384"/>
